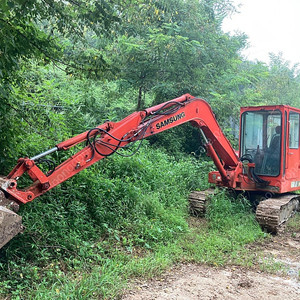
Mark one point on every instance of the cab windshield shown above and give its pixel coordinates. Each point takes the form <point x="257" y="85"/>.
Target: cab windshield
<point x="261" y="140"/>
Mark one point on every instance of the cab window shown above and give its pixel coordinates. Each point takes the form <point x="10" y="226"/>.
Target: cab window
<point x="261" y="140"/>
<point x="294" y="130"/>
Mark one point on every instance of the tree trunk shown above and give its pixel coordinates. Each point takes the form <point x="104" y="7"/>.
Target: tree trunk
<point x="140" y="101"/>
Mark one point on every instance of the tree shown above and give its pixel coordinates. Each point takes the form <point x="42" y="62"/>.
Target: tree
<point x="172" y="47"/>
<point x="35" y="29"/>
<point x="46" y="31"/>
<point x="282" y="85"/>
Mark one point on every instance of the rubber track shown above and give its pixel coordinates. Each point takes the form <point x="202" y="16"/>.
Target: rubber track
<point x="273" y="213"/>
<point x="198" y="201"/>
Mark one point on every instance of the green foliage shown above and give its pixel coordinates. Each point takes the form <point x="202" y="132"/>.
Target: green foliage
<point x="179" y="49"/>
<point x="53" y="107"/>
<point x="34" y="29"/>
<point x="231" y="225"/>
<point x="233" y="218"/>
<point x="45" y="31"/>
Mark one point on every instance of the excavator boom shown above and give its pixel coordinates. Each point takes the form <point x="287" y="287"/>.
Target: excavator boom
<point x="109" y="138"/>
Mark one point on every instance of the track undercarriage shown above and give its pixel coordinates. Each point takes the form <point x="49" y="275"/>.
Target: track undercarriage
<point x="199" y="200"/>
<point x="271" y="214"/>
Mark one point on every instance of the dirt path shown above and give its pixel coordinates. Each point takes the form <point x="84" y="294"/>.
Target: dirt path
<point x="280" y="256"/>
<point x="200" y="282"/>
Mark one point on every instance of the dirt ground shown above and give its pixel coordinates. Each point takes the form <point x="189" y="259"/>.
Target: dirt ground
<point x="190" y="281"/>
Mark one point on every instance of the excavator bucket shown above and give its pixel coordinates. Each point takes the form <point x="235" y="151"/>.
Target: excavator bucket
<point x="10" y="222"/>
<point x="10" y="225"/>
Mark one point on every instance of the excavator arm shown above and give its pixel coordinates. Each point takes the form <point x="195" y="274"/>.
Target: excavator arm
<point x="105" y="140"/>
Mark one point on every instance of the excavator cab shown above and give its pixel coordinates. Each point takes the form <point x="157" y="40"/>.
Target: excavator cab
<point x="261" y="140"/>
<point x="269" y="137"/>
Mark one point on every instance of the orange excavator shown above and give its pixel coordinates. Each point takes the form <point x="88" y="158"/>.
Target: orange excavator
<point x="266" y="167"/>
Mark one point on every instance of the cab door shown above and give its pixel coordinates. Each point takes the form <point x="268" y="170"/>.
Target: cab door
<point x="292" y="153"/>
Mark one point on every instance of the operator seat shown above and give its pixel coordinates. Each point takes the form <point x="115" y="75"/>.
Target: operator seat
<point x="271" y="163"/>
<point x="275" y="141"/>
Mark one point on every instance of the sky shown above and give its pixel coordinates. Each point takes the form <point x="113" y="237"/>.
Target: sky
<point x="271" y="26"/>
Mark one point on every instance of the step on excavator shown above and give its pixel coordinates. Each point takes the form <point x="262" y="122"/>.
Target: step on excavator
<point x="266" y="167"/>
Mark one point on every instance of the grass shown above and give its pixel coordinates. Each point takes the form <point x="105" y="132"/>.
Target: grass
<point x="205" y="242"/>
<point x="271" y="265"/>
<point x="294" y="223"/>
<point x="230" y="226"/>
<point x="123" y="219"/>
